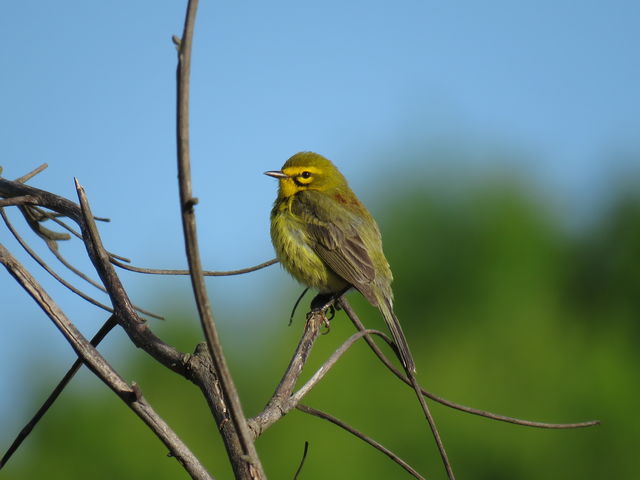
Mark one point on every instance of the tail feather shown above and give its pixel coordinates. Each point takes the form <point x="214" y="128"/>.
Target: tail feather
<point x="398" y="335"/>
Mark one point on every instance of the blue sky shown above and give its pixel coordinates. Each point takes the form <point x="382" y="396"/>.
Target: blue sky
<point x="89" y="88"/>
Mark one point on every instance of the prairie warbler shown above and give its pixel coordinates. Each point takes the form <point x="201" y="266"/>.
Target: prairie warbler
<point x="326" y="238"/>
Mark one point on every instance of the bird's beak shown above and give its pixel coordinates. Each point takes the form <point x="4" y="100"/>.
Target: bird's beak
<point x="276" y="174"/>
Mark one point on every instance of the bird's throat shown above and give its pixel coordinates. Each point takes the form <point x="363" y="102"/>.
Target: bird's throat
<point x="288" y="188"/>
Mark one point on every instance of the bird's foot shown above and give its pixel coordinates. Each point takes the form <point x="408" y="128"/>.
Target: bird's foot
<point x="319" y="314"/>
<point x="326" y="319"/>
<point x="324" y="303"/>
<point x="320" y="305"/>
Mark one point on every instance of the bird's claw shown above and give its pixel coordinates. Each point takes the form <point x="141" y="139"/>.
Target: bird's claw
<point x="332" y="312"/>
<point x="326" y="319"/>
<point x="326" y="325"/>
<point x="325" y="308"/>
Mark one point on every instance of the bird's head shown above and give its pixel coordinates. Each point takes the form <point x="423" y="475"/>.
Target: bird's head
<point x="308" y="171"/>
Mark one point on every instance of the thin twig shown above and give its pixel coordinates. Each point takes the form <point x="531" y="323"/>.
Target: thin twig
<point x="34" y="216"/>
<point x="56" y="253"/>
<point x="119" y="260"/>
<point x="26" y="430"/>
<point x="330" y="362"/>
<point x="321" y="372"/>
<point x="89" y="280"/>
<point x="295" y="305"/>
<point x="432" y="424"/>
<point x="423" y="404"/>
<point x="377" y="445"/>
<point x="23" y="200"/>
<point x="53" y="248"/>
<point x="54" y="217"/>
<point x="474" y="411"/>
<point x="206" y="273"/>
<point x="246" y="463"/>
<point x="48" y="269"/>
<point x="283" y="400"/>
<point x="134" y="326"/>
<point x="28" y="176"/>
<point x="304" y="457"/>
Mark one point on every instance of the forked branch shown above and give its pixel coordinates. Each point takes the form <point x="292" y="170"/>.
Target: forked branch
<point x="197" y="368"/>
<point x="130" y="394"/>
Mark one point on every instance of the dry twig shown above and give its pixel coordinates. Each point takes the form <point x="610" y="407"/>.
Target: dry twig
<point x="375" y="444"/>
<point x="206" y="273"/>
<point x="26" y="430"/>
<point x="474" y="411"/>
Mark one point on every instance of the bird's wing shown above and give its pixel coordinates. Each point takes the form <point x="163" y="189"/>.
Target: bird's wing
<point x="334" y="234"/>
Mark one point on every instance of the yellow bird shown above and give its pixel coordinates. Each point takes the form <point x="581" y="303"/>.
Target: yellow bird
<point x="327" y="240"/>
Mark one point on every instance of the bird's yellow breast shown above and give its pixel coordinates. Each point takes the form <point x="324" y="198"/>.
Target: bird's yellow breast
<point x="294" y="251"/>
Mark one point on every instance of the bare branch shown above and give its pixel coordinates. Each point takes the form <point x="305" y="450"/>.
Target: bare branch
<point x="283" y="399"/>
<point x="196" y="368"/>
<point x="28" y="176"/>
<point x="127" y="316"/>
<point x="24" y="433"/>
<point x="331" y="361"/>
<point x="361" y="436"/>
<point x="53" y="216"/>
<point x="118" y="257"/>
<point x="89" y="280"/>
<point x="423" y="404"/>
<point x="23" y="200"/>
<point x="248" y="464"/>
<point x="206" y="273"/>
<point x="474" y="411"/>
<point x="52" y="245"/>
<point x="94" y="360"/>
<point x="39" y="215"/>
<point x="56" y="253"/>
<point x="34" y="217"/>
<point x="46" y="267"/>
<point x="275" y="408"/>
<point x="432" y="423"/>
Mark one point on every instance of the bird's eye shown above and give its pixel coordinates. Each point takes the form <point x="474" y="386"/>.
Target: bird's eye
<point x="305" y="174"/>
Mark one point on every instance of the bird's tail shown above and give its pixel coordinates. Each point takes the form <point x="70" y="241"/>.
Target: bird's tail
<point x="398" y="335"/>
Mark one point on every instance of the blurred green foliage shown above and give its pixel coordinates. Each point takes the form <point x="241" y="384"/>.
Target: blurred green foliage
<point x="505" y="309"/>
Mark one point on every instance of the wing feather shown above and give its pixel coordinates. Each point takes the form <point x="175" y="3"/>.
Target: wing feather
<point x="336" y="240"/>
